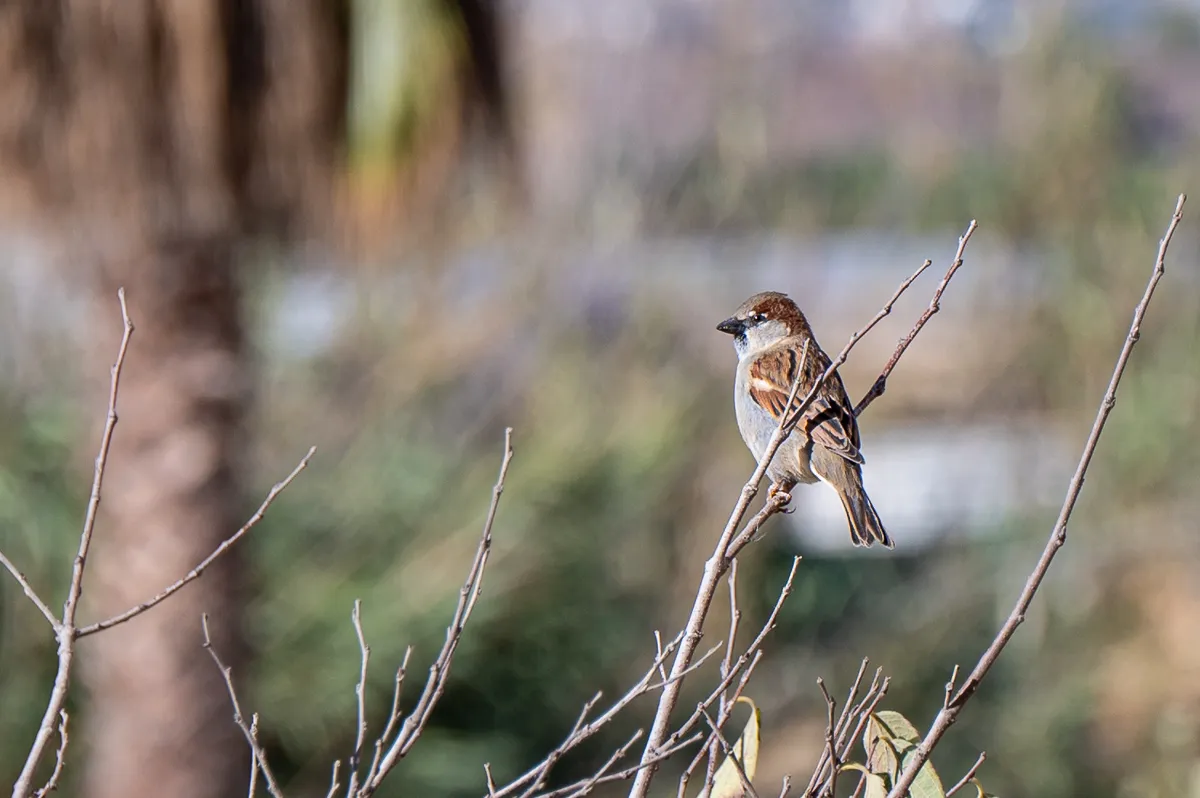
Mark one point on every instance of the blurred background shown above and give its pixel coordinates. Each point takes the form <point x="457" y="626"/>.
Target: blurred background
<point x="391" y="229"/>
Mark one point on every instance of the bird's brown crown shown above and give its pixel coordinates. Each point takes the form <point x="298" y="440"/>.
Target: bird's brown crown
<point x="773" y="305"/>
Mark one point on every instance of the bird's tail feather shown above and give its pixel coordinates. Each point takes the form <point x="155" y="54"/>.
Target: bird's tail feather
<point x="865" y="526"/>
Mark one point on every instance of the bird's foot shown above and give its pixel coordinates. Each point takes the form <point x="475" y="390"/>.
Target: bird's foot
<point x="780" y="494"/>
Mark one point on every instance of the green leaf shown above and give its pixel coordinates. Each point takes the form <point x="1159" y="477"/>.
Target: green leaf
<point x="927" y="784"/>
<point x="898" y="726"/>
<point x="728" y="782"/>
<point x="886" y="739"/>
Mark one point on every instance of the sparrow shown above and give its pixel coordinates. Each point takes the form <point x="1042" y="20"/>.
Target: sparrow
<point x="770" y="334"/>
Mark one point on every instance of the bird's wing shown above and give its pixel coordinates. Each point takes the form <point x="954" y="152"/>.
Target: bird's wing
<point x="829" y="420"/>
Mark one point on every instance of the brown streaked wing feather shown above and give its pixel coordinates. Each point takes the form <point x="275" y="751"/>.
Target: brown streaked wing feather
<point x="829" y="421"/>
<point x="771" y="376"/>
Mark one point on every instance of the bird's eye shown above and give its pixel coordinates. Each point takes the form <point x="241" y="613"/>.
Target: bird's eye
<point x="757" y="317"/>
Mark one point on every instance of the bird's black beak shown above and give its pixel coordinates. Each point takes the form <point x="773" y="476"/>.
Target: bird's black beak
<point x="732" y="326"/>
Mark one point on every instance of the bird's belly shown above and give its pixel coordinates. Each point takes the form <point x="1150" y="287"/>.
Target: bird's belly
<point x="791" y="461"/>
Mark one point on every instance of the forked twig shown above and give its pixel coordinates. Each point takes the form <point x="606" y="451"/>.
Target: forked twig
<point x="65" y="631"/>
<point x="390" y="753"/>
<point x="196" y="572"/>
<point x="249" y="732"/>
<point x="880" y="384"/>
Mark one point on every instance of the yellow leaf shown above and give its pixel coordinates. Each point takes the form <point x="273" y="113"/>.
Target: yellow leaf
<point x="876" y="786"/>
<point x="728" y="782"/>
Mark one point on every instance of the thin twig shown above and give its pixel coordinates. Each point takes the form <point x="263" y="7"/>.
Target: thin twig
<point x="66" y="632"/>
<point x="786" y="788"/>
<point x="333" y="779"/>
<point x="745" y="664"/>
<point x="253" y="788"/>
<point x="47" y="613"/>
<point x="1058" y="536"/>
<point x="950" y="687"/>
<point x="729" y="752"/>
<point x="439" y="672"/>
<point x="862" y="786"/>
<point x="617" y="756"/>
<point x="842" y="720"/>
<point x="393" y="717"/>
<point x="748" y="657"/>
<point x="658" y="646"/>
<point x="585" y="786"/>
<point x="724" y="705"/>
<point x="360" y="694"/>
<point x="238" y="718"/>
<point x="533" y="778"/>
<point x="880" y="384"/>
<point x="196" y="572"/>
<point x="970" y="774"/>
<point x="830" y="744"/>
<point x="846" y="730"/>
<point x="59" y="757"/>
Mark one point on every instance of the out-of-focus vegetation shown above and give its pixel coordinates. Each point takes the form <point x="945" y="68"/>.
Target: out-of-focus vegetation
<point x="627" y="456"/>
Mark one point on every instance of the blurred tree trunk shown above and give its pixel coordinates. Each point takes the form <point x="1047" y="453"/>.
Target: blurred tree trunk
<point x="151" y="136"/>
<point x="154" y="133"/>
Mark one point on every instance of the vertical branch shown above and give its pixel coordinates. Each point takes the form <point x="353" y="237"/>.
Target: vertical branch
<point x="1058" y="535"/>
<point x="66" y="631"/>
<point x="360" y="694"/>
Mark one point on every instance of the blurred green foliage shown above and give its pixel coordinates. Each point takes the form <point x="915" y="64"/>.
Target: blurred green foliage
<point x="627" y="461"/>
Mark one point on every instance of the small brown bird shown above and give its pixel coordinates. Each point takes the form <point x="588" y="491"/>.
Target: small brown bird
<point x="769" y="333"/>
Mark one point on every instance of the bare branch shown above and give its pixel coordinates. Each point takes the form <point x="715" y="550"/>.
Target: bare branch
<point x="394" y="717"/>
<point x="724" y="705"/>
<point x="439" y="672"/>
<point x="950" y="687"/>
<point x="333" y="779"/>
<point x="585" y="786"/>
<point x="532" y="779"/>
<point x="970" y="774"/>
<point x="66" y="631"/>
<point x="253" y="788"/>
<point x="748" y="658"/>
<point x="238" y="718"/>
<point x="831" y="752"/>
<point x="59" y="756"/>
<point x="1058" y="536"/>
<point x="195" y="573"/>
<point x="880" y="384"/>
<point x="845" y="730"/>
<point x="360" y="693"/>
<point x="728" y="546"/>
<point x="729" y="752"/>
<point x="47" y="613"/>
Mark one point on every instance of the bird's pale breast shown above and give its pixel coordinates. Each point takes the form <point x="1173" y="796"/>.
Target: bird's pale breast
<point x="757" y="426"/>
